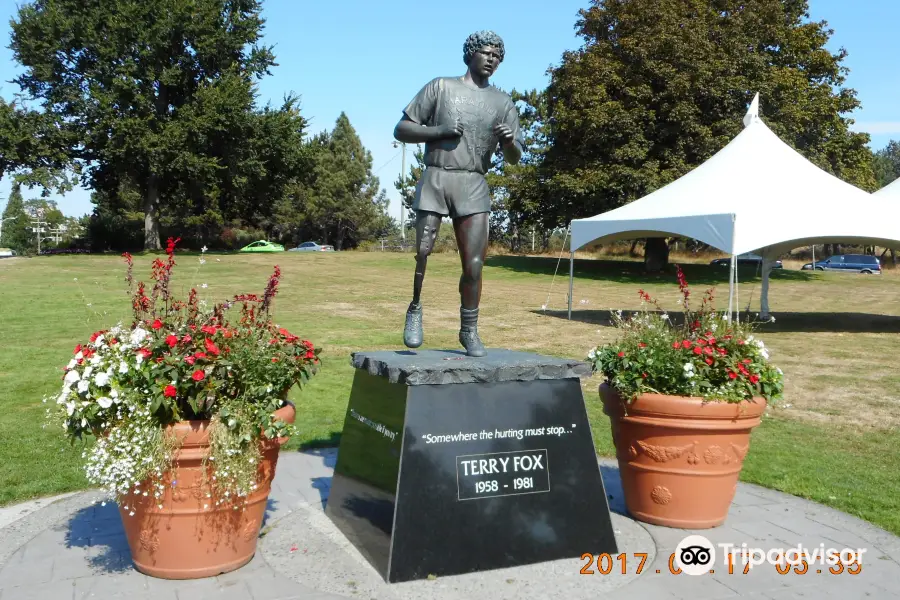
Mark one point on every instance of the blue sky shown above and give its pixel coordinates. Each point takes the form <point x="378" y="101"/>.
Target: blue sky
<point x="370" y="58"/>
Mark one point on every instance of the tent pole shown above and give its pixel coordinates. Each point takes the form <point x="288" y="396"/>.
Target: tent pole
<point x="571" y="277"/>
<point x="730" y="288"/>
<point x="764" y="292"/>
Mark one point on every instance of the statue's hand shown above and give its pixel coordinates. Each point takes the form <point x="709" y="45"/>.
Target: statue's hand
<point x="504" y="133"/>
<point x="451" y="131"/>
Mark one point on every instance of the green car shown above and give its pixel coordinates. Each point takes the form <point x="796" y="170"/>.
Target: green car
<point x="262" y="246"/>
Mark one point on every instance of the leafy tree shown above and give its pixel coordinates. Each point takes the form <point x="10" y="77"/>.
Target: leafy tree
<point x="886" y="164"/>
<point x="661" y="85"/>
<point x="519" y="186"/>
<point x="32" y="149"/>
<point x="16" y="232"/>
<point x="146" y="93"/>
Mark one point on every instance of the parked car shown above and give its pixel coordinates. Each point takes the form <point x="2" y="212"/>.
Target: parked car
<point x="4" y="252"/>
<point x="312" y="247"/>
<point x="262" y="246"/>
<point x="847" y="263"/>
<point x="745" y="260"/>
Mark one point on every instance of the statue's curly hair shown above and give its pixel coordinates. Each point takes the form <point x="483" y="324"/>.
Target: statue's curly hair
<point x="479" y="40"/>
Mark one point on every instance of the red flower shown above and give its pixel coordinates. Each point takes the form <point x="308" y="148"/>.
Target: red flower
<point x="157" y="324"/>
<point x="709" y="361"/>
<point x="113" y="342"/>
<point x="209" y="329"/>
<point x="698" y="350"/>
<point x="743" y="369"/>
<point x="722" y="351"/>
<point x="732" y="375"/>
<point x="676" y="345"/>
<point x="159" y="359"/>
<point x="186" y="339"/>
<point x="170" y="391"/>
<point x="621" y="355"/>
<point x="708" y="350"/>
<point x="96" y="335"/>
<point x="171" y="340"/>
<point x="274" y="360"/>
<point x="754" y="379"/>
<point x="712" y="340"/>
<point x="309" y="354"/>
<point x="190" y="360"/>
<point x="87" y="352"/>
<point x="144" y="352"/>
<point x="308" y="344"/>
<point x="211" y="347"/>
<point x="701" y="342"/>
<point x="200" y="355"/>
<point x="747" y="361"/>
<point x="642" y="345"/>
<point x="77" y="349"/>
<point x="644" y="376"/>
<point x="686" y="344"/>
<point x="198" y="375"/>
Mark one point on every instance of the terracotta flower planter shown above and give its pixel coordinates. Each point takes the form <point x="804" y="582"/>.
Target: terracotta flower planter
<point x="190" y="537"/>
<point x="680" y="458"/>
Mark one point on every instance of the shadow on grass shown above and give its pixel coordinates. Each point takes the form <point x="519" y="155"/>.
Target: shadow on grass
<point x="785" y="322"/>
<point x="633" y="272"/>
<point x="332" y="441"/>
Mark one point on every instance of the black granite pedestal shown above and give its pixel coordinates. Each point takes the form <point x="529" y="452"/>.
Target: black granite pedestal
<point x="450" y="464"/>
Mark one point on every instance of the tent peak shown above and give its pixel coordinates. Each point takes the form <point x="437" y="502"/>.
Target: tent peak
<point x="752" y="115"/>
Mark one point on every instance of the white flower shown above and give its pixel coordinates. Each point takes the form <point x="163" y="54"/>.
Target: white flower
<point x="123" y="367"/>
<point x="104" y="402"/>
<point x="70" y="408"/>
<point x="202" y="261"/>
<point x="592" y="354"/>
<point x="204" y="286"/>
<point x="688" y="366"/>
<point x="138" y="335"/>
<point x="79" y="356"/>
<point x="101" y="379"/>
<point x="665" y="317"/>
<point x="72" y="377"/>
<point x="83" y="386"/>
<point x="87" y="372"/>
<point x="95" y="360"/>
<point x="72" y="364"/>
<point x="203" y="249"/>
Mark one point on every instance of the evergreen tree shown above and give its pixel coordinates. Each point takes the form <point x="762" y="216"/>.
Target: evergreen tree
<point x="345" y="203"/>
<point x="16" y="232"/>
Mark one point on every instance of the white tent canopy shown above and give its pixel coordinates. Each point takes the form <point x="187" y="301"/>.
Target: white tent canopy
<point x="757" y="194"/>
<point x="889" y="192"/>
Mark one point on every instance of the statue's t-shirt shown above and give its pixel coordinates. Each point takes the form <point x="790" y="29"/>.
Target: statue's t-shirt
<point x="443" y="101"/>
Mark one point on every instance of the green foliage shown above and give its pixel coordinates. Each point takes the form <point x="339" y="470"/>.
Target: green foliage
<point x="661" y="85"/>
<point x="407" y="187"/>
<point x="706" y="356"/>
<point x="16" y="233"/>
<point x="886" y="164"/>
<point x="342" y="204"/>
<point x="155" y="102"/>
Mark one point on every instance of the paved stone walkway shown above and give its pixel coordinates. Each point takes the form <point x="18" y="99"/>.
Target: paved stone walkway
<point x="74" y="548"/>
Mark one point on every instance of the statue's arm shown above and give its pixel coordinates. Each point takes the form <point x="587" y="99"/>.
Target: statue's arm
<point x="512" y="152"/>
<point x="410" y="132"/>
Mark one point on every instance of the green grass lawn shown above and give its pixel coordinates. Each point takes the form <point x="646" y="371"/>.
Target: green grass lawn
<point x="835" y="441"/>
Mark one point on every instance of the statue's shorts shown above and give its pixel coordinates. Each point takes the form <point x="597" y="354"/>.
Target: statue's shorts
<point x="452" y="192"/>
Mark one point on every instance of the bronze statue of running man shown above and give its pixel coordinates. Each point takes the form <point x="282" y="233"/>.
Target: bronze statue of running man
<point x="461" y="120"/>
